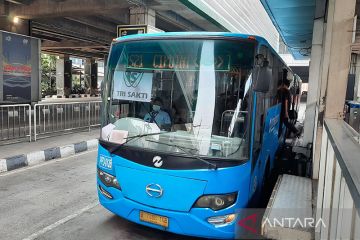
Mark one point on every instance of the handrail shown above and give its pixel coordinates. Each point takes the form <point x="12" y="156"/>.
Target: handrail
<point x="15" y="105"/>
<point x="50" y="118"/>
<point x="60" y="117"/>
<point x="20" y="126"/>
<point x="67" y="103"/>
<point x="338" y="193"/>
<point x="347" y="151"/>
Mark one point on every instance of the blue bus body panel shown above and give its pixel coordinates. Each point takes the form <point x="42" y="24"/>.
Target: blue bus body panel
<point x="271" y="134"/>
<point x="270" y="145"/>
<point x="181" y="190"/>
<point x="134" y="182"/>
<point x="223" y="180"/>
<point x="266" y="157"/>
<point x="254" y="178"/>
<point x="188" y="34"/>
<point x="191" y="223"/>
<point x="259" y="39"/>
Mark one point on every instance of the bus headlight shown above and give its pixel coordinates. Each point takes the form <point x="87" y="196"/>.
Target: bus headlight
<point x="220" y="221"/>
<point x="108" y="179"/>
<point x="216" y="202"/>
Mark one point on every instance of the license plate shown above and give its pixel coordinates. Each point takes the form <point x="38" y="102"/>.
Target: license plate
<point x="154" y="219"/>
<point x="105" y="162"/>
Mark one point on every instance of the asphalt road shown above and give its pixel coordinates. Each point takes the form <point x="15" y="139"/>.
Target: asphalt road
<point x="58" y="200"/>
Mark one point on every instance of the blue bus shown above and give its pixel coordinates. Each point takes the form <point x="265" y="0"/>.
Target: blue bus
<point x="190" y="129"/>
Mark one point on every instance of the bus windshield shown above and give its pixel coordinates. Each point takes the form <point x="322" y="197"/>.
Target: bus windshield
<point x="174" y="95"/>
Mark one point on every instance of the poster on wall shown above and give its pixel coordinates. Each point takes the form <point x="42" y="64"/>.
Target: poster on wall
<point x="17" y="68"/>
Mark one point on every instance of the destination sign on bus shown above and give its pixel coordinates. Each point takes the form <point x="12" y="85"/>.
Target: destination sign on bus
<point x="171" y="62"/>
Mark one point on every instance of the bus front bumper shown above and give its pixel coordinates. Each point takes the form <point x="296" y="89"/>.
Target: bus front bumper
<point x="192" y="223"/>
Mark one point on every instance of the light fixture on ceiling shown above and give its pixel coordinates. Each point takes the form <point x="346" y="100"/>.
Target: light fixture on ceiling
<point x="16" y="20"/>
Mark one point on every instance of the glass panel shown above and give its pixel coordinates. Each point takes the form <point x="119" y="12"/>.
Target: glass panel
<point x="188" y="93"/>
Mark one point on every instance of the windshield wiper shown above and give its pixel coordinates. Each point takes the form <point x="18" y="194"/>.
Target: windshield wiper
<point x="210" y="164"/>
<point x="242" y="140"/>
<point x="128" y="139"/>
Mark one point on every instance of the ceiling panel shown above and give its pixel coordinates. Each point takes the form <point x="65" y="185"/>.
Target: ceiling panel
<point x="294" y="20"/>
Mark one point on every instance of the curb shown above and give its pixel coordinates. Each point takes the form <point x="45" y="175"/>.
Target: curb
<point x="33" y="158"/>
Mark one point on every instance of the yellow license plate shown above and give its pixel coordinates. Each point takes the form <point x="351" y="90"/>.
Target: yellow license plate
<point x="154" y="219"/>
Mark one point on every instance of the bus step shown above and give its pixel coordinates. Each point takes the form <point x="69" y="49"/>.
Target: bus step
<point x="289" y="213"/>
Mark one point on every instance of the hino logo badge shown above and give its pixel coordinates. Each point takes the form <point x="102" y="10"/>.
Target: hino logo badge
<point x="157" y="161"/>
<point x="154" y="190"/>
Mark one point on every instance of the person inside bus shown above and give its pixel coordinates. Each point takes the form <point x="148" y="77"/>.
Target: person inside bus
<point x="284" y="97"/>
<point x="158" y="115"/>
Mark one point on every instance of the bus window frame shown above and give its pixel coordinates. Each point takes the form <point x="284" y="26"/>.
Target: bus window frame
<point x="255" y="43"/>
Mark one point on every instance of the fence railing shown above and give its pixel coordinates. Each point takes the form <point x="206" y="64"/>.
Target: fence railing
<point x="55" y="118"/>
<point x="338" y="196"/>
<point x="15" y="122"/>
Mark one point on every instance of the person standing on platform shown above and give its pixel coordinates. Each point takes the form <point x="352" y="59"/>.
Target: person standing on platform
<point x="284" y="97"/>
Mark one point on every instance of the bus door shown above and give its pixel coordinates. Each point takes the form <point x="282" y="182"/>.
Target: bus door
<point x="257" y="136"/>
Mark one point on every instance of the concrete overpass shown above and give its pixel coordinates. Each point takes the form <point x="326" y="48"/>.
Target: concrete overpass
<point x="86" y="28"/>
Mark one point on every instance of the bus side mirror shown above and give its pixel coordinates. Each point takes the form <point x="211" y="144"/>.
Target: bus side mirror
<point x="262" y="76"/>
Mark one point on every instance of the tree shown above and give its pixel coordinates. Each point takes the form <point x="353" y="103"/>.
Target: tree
<point x="48" y="74"/>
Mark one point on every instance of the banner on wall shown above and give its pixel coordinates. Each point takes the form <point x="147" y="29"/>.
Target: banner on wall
<point x="17" y="68"/>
